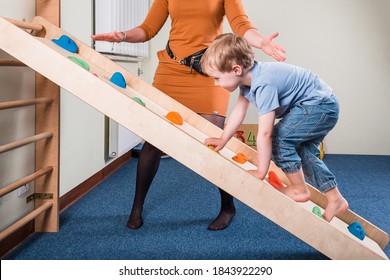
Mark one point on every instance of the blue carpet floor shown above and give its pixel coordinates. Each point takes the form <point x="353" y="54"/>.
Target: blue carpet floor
<point x="178" y="210"/>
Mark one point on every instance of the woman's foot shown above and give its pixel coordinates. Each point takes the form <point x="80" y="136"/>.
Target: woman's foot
<point x="135" y="220"/>
<point x="223" y="219"/>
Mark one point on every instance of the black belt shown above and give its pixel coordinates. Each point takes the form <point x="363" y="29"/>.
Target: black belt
<point x="189" y="60"/>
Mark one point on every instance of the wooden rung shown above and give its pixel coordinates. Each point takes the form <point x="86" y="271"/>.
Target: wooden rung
<point x="25" y="141"/>
<point x="11" y="62"/>
<point x="22" y="103"/>
<point x="25" y="180"/>
<point x="25" y="25"/>
<point x="23" y="221"/>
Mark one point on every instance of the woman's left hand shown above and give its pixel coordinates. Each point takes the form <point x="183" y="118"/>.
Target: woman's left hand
<point x="273" y="49"/>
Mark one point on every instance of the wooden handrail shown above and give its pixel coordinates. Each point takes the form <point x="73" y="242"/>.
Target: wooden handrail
<point x="25" y="25"/>
<point x="11" y="62"/>
<point x="23" y="221"/>
<point x="27" y="179"/>
<point x="25" y="141"/>
<point x="22" y="103"/>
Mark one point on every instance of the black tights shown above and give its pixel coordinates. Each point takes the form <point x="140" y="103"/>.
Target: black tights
<point x="148" y="163"/>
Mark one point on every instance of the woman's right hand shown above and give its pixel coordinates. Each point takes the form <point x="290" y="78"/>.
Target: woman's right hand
<point x="109" y="37"/>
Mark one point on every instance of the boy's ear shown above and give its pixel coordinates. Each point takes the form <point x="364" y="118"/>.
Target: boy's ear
<point x="237" y="70"/>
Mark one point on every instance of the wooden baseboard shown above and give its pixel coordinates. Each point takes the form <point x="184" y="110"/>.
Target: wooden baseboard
<point x="17" y="238"/>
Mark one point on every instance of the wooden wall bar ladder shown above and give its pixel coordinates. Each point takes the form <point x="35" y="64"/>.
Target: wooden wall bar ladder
<point x="46" y="140"/>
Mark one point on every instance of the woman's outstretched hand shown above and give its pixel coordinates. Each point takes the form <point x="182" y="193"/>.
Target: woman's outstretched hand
<point x="108" y="37"/>
<point x="273" y="49"/>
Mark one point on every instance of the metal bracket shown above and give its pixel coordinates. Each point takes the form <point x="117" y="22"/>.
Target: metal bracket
<point x="39" y="196"/>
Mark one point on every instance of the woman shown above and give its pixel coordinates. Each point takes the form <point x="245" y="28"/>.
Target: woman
<point x="194" y="25"/>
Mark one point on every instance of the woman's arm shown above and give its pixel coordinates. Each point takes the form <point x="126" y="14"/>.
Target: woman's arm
<point x="135" y="35"/>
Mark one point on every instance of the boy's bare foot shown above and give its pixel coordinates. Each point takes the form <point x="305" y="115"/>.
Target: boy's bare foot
<point x="296" y="195"/>
<point x="223" y="219"/>
<point x="334" y="208"/>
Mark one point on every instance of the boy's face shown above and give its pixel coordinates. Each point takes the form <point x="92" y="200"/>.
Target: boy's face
<point x="228" y="80"/>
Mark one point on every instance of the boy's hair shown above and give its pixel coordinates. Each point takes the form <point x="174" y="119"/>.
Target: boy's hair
<point x="228" y="50"/>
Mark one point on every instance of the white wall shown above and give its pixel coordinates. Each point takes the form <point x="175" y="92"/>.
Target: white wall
<point x="82" y="133"/>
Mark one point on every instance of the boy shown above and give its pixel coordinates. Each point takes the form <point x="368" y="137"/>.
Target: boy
<point x="305" y="105"/>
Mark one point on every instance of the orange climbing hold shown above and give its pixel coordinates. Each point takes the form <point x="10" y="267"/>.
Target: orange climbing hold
<point x="274" y="180"/>
<point x="175" y="118"/>
<point x="240" y="158"/>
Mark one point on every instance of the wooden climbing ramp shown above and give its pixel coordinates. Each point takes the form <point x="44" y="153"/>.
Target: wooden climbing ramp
<point x="142" y="109"/>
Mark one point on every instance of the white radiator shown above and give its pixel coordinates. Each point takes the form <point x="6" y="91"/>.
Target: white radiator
<point x="120" y="15"/>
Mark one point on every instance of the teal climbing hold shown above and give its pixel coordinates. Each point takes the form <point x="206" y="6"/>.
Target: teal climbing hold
<point x="316" y="210"/>
<point x="357" y="229"/>
<point x="118" y="79"/>
<point x="66" y="43"/>
<point x="138" y="100"/>
<point x="80" y="62"/>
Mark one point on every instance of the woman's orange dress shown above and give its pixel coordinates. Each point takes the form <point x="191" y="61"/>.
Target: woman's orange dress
<point x="194" y="25"/>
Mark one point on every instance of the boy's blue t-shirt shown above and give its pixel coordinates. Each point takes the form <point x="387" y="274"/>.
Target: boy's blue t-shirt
<point x="279" y="86"/>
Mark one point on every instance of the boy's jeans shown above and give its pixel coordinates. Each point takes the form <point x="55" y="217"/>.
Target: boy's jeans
<point x="297" y="138"/>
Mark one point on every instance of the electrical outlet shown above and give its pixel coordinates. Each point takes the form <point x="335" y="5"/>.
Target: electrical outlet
<point x="22" y="190"/>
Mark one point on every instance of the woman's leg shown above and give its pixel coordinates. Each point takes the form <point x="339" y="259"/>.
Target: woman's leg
<point x="148" y="163"/>
<point x="228" y="210"/>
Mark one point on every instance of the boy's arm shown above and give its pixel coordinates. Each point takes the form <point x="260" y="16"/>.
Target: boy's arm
<point x="264" y="144"/>
<point x="235" y="119"/>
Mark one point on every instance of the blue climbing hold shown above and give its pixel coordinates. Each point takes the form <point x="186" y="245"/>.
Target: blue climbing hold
<point x="357" y="229"/>
<point x="118" y="79"/>
<point x="66" y="43"/>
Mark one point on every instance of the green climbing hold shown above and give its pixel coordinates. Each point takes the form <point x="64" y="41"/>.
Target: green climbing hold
<point x="80" y="62"/>
<point x="316" y="210"/>
<point x="138" y="100"/>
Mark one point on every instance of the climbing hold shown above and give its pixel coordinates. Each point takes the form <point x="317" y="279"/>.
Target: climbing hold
<point x="66" y="43"/>
<point x="138" y="100"/>
<point x="211" y="147"/>
<point x="96" y="75"/>
<point x="80" y="62"/>
<point x="357" y="229"/>
<point x="240" y="158"/>
<point x="322" y="151"/>
<point x="316" y="210"/>
<point x="118" y="79"/>
<point x="175" y="118"/>
<point x="274" y="180"/>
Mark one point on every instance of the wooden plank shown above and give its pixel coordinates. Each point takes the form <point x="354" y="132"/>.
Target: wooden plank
<point x="27" y="179"/>
<point x="25" y="141"/>
<point x="26" y="219"/>
<point x="332" y="239"/>
<point x="11" y="62"/>
<point x="25" y="25"/>
<point x="48" y="118"/>
<point x="22" y="103"/>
